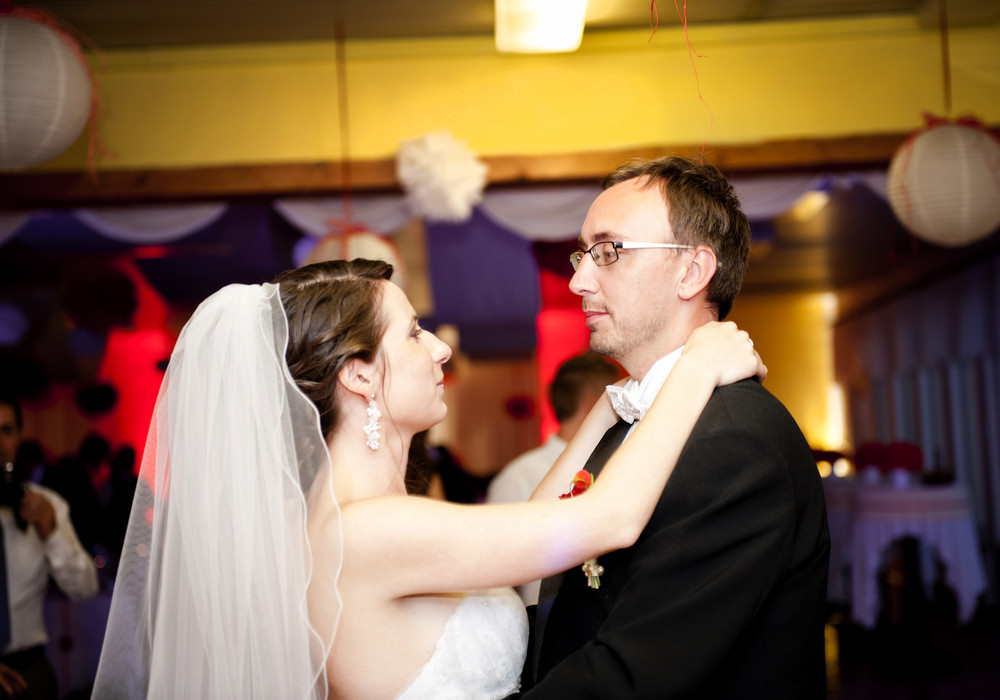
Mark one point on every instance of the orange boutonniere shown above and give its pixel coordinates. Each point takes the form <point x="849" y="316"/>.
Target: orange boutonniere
<point x="582" y="481"/>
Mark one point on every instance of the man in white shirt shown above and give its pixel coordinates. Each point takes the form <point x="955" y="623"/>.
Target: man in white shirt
<point x="574" y="390"/>
<point x="38" y="542"/>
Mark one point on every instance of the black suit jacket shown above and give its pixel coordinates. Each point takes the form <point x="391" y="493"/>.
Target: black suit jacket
<point x="724" y="593"/>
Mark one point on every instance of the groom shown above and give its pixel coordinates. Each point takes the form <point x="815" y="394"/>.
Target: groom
<point x="723" y="595"/>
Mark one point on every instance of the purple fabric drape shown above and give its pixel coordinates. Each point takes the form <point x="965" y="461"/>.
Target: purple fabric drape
<point x="485" y="282"/>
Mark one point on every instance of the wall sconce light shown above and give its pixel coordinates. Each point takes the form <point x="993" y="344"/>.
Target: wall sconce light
<point x="539" y="26"/>
<point x="809" y="205"/>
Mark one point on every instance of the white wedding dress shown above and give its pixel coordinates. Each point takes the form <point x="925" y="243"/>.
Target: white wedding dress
<point x="480" y="653"/>
<point x="230" y="420"/>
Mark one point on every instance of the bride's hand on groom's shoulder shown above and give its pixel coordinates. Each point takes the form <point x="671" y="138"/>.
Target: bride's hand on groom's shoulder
<point x="725" y="352"/>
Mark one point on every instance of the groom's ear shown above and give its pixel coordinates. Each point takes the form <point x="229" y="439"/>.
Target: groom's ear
<point x="698" y="273"/>
<point x="357" y="377"/>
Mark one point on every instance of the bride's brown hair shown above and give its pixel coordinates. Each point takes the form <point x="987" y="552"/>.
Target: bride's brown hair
<point x="334" y="312"/>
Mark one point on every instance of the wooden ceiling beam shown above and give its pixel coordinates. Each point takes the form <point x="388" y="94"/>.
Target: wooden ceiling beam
<point x="20" y="191"/>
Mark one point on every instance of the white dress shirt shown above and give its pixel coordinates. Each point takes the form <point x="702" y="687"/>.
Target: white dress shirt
<point x="518" y="480"/>
<point x="642" y="393"/>
<point x="30" y="562"/>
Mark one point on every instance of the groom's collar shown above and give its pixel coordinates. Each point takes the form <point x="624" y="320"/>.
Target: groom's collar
<point x="633" y="399"/>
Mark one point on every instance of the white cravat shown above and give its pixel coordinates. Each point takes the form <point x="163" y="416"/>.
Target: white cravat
<point x="633" y="400"/>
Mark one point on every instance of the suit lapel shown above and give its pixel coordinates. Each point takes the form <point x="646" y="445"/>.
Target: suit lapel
<point x="612" y="439"/>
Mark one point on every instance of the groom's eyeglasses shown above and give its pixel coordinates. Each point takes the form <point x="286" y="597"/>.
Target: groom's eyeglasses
<point x="606" y="252"/>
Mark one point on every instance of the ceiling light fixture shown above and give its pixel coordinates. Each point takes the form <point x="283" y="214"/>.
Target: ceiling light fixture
<point x="539" y="26"/>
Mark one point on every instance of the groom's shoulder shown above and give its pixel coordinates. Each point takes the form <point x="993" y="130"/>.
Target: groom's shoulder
<point x="747" y="401"/>
<point x="747" y="414"/>
<point x="747" y="391"/>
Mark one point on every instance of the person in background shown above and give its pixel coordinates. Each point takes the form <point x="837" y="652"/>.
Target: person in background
<point x="578" y="383"/>
<point x="33" y="460"/>
<point x="38" y="541"/>
<point x="71" y="476"/>
<point x="116" y="501"/>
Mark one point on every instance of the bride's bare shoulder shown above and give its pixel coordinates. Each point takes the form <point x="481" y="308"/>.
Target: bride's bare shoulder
<point x="377" y="525"/>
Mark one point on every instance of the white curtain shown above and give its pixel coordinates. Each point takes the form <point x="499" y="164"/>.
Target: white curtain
<point x="764" y="198"/>
<point x="380" y="214"/>
<point x="557" y="213"/>
<point x="150" y="225"/>
<point x="541" y="214"/>
<point x="925" y="369"/>
<point x="536" y="213"/>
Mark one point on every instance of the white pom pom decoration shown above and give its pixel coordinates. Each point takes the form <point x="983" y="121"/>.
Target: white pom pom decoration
<point x="443" y="180"/>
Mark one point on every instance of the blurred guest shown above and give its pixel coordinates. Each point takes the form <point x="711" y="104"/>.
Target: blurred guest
<point x="435" y="471"/>
<point x="94" y="456"/>
<point x="579" y="382"/>
<point x="33" y="460"/>
<point x="38" y="541"/>
<point x="116" y="499"/>
<point x="459" y="485"/>
<point x="73" y="478"/>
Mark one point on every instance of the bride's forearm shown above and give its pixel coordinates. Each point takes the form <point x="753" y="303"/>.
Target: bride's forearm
<point x="631" y="482"/>
<point x="557" y="480"/>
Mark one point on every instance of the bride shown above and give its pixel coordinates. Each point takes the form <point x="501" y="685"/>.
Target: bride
<point x="272" y="550"/>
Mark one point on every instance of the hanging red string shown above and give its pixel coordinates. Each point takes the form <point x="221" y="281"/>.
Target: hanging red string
<point x="343" y="119"/>
<point x="654" y="22"/>
<point x="342" y="228"/>
<point x="692" y="54"/>
<point x="945" y="58"/>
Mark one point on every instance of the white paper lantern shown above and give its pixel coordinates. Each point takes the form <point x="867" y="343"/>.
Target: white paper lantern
<point x="45" y="93"/>
<point x="944" y="184"/>
<point x="357" y="244"/>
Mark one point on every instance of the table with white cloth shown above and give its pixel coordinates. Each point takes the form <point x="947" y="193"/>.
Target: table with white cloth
<point x="939" y="516"/>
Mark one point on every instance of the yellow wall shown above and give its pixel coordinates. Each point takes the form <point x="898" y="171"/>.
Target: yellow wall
<point x="794" y="335"/>
<point x="261" y="104"/>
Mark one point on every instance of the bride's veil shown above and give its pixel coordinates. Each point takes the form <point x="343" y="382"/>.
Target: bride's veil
<point x="210" y="598"/>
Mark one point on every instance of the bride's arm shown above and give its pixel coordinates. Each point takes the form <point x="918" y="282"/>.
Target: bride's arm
<point x="415" y="545"/>
<point x="601" y="417"/>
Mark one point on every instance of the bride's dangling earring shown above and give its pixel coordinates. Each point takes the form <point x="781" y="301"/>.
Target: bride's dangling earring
<point x="372" y="427"/>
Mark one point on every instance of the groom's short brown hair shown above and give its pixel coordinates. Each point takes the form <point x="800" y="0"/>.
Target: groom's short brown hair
<point x="703" y="209"/>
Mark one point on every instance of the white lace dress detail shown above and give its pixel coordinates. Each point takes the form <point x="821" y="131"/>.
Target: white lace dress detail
<point x="480" y="653"/>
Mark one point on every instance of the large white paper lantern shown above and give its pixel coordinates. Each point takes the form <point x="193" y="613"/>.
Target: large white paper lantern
<point x="944" y="184"/>
<point x="45" y="93"/>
